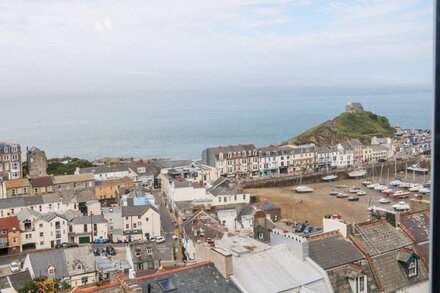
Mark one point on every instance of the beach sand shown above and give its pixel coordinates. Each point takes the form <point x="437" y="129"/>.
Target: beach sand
<point x="319" y="203"/>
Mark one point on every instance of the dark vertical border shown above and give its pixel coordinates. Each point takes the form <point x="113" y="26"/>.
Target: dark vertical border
<point x="435" y="199"/>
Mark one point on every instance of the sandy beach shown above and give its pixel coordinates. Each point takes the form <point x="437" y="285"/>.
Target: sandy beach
<point x="314" y="206"/>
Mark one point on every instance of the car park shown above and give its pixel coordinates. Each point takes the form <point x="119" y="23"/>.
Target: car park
<point x="14" y="267"/>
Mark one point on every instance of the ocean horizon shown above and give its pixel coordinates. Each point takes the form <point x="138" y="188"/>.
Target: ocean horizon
<point x="179" y="125"/>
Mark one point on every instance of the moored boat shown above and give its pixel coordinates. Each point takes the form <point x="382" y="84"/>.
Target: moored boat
<point x="361" y="192"/>
<point x="401" y="206"/>
<point x="380" y="187"/>
<point x="353" y="198"/>
<point x="395" y="182"/>
<point x="329" y="178"/>
<point x="354" y="189"/>
<point x="400" y="194"/>
<point x="388" y="191"/>
<point x="334" y="192"/>
<point x="303" y="189"/>
<point x="367" y="182"/>
<point x="423" y="189"/>
<point x="417" y="169"/>
<point x="357" y="173"/>
<point x="372" y="185"/>
<point x="384" y="200"/>
<point x="342" y="195"/>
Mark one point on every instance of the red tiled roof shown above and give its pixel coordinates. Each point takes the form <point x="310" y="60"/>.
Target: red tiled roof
<point x="9" y="223"/>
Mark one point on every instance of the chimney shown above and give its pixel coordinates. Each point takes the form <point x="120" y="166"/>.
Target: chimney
<point x="298" y="244"/>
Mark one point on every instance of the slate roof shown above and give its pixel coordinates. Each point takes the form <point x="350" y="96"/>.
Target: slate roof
<point x="149" y="168"/>
<point x="355" y="142"/>
<point x="224" y="186"/>
<point x="128" y="211"/>
<point x="40" y="260"/>
<point x="42" y="181"/>
<point x="104" y="169"/>
<point x="202" y="223"/>
<point x="381" y="236"/>
<point x="339" y="277"/>
<point x="416" y="225"/>
<point x="199" y="278"/>
<point x="391" y="273"/>
<point x="172" y="163"/>
<point x="16" y="279"/>
<point x="333" y="251"/>
<point x="79" y="255"/>
<point x="96" y="219"/>
<point x="12" y="202"/>
<point x="266" y="205"/>
<point x="424" y="252"/>
<point x="142" y="248"/>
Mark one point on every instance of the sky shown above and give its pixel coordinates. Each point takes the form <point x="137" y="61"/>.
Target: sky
<point x="57" y="47"/>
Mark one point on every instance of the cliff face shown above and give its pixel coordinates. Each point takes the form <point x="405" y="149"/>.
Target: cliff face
<point x="343" y="127"/>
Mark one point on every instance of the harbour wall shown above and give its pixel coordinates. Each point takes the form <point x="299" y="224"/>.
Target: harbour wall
<point x="294" y="179"/>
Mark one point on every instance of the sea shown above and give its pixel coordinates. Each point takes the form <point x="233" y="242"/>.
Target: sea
<point x="180" y="124"/>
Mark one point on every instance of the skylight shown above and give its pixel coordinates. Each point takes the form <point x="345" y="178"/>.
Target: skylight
<point x="167" y="285"/>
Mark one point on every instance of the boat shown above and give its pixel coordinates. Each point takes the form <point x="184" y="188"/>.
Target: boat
<point x="342" y="195"/>
<point x="367" y="182"/>
<point x="423" y="189"/>
<point x="354" y="189"/>
<point x="384" y="200"/>
<point x="357" y="173"/>
<point x="353" y="198"/>
<point x="405" y="185"/>
<point x="361" y="192"/>
<point x="417" y="169"/>
<point x="341" y="186"/>
<point x="400" y="194"/>
<point x="415" y="187"/>
<point x="373" y="185"/>
<point x="388" y="191"/>
<point x="334" y="192"/>
<point x="329" y="178"/>
<point x="396" y="182"/>
<point x="401" y="206"/>
<point x="303" y="189"/>
<point x="380" y="187"/>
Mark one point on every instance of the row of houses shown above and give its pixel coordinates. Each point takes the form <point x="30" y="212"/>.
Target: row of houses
<point x="247" y="160"/>
<point x="48" y="220"/>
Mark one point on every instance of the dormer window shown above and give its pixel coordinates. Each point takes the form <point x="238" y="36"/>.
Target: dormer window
<point x="79" y="267"/>
<point x="137" y="252"/>
<point x="220" y="156"/>
<point x="361" y="284"/>
<point x="412" y="268"/>
<point x="230" y="155"/>
<point x="51" y="271"/>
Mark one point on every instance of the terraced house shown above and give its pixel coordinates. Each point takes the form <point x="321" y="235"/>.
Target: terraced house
<point x="234" y="160"/>
<point x="9" y="235"/>
<point x="10" y="161"/>
<point x="274" y="159"/>
<point x="303" y="158"/>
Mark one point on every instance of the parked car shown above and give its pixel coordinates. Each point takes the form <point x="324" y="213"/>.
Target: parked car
<point x="99" y="251"/>
<point x="160" y="239"/>
<point x="14" y="267"/>
<point x="66" y="244"/>
<point x="110" y="250"/>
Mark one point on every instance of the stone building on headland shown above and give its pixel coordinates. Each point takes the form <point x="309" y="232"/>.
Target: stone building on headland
<point x="354" y="107"/>
<point x="36" y="162"/>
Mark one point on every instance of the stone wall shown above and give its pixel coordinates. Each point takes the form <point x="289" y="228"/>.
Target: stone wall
<point x="290" y="180"/>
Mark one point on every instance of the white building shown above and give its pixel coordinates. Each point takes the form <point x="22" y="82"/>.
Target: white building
<point x="140" y="222"/>
<point x="40" y="231"/>
<point x="274" y="160"/>
<point x="345" y="156"/>
<point x="225" y="191"/>
<point x="87" y="229"/>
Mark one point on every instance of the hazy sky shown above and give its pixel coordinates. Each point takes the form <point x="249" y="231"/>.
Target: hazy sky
<point x="58" y="47"/>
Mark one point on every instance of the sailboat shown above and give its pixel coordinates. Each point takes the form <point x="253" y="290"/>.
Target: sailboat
<point x="302" y="188"/>
<point x="329" y="177"/>
<point x="395" y="182"/>
<point x="380" y="186"/>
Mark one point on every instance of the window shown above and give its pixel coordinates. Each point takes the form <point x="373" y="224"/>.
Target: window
<point x="139" y="217"/>
<point x="137" y="252"/>
<point x="244" y="196"/>
<point x="41" y="234"/>
<point x="79" y="267"/>
<point x="85" y="227"/>
<point x="134" y="225"/>
<point x="260" y="235"/>
<point x="412" y="269"/>
<point x="166" y="285"/>
<point x="235" y="197"/>
<point x="51" y="271"/>
<point x="127" y="226"/>
<point x="41" y="225"/>
<point x="84" y="280"/>
<point x="225" y="199"/>
<point x="361" y="284"/>
<point x="149" y="251"/>
<point x="146" y="219"/>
